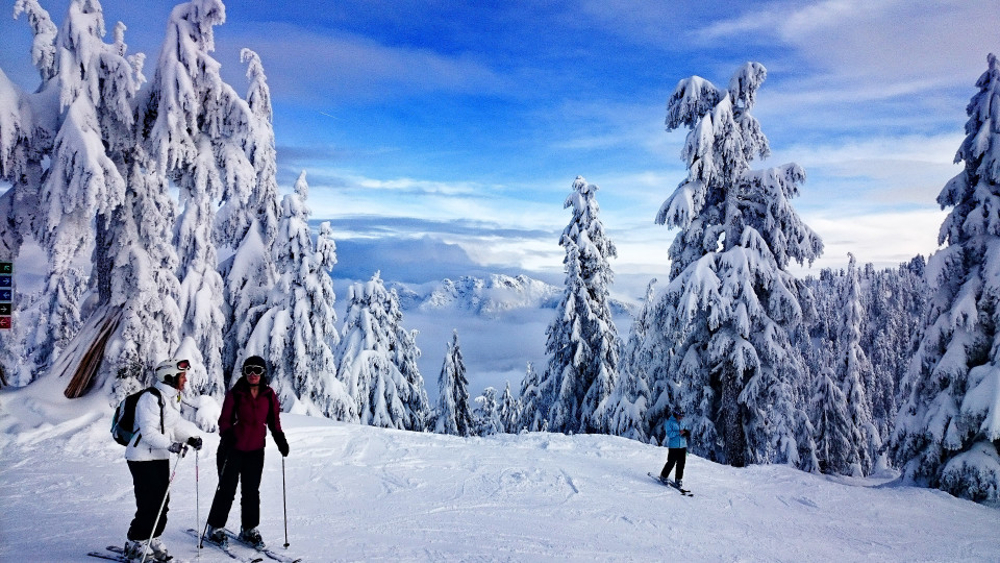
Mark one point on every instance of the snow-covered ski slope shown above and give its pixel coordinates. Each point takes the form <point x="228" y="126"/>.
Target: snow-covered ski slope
<point x="358" y="493"/>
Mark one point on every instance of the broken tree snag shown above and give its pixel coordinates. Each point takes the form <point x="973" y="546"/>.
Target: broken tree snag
<point x="86" y="352"/>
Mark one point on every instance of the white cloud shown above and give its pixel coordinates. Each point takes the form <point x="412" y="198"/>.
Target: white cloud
<point x="906" y="170"/>
<point x="310" y="65"/>
<point x="337" y="192"/>
<point x="891" y="41"/>
<point x="884" y="239"/>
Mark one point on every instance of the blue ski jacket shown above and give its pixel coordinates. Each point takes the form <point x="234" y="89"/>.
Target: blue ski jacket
<point x="674" y="438"/>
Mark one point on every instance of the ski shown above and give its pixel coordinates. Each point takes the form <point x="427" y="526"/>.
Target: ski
<point x="228" y="551"/>
<point x="671" y="484"/>
<point x="117" y="553"/>
<point x="271" y="554"/>
<point x="113" y="553"/>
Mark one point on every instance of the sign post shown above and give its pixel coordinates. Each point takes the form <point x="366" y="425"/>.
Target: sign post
<point x="6" y="294"/>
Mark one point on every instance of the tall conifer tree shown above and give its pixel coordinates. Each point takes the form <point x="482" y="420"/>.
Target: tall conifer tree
<point x="386" y="393"/>
<point x="949" y="426"/>
<point x="728" y="309"/>
<point x="582" y="339"/>
<point x="297" y="333"/>
<point x="454" y="413"/>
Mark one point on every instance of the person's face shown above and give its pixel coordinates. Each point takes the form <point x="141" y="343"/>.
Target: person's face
<point x="253" y="374"/>
<point x="182" y="378"/>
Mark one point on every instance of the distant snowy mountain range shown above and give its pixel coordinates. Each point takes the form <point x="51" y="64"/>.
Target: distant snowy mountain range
<point x="488" y="297"/>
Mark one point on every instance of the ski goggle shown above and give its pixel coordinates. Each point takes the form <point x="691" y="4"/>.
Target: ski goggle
<point x="253" y="370"/>
<point x="183" y="365"/>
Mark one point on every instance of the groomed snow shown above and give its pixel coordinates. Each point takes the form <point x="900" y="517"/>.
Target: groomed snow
<point x="358" y="493"/>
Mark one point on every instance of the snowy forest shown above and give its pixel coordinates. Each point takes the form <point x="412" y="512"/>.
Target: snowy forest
<point x="150" y="189"/>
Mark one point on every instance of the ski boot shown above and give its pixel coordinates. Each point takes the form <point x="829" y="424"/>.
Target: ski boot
<point x="217" y="536"/>
<point x="252" y="538"/>
<point x="158" y="551"/>
<point x="133" y="549"/>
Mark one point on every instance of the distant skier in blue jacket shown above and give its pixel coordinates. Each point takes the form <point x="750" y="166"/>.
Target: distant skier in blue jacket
<point x="677" y="435"/>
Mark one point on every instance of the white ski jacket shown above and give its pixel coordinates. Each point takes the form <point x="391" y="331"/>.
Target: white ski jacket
<point x="152" y="444"/>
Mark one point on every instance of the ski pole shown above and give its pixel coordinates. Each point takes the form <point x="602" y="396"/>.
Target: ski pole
<point x="166" y="495"/>
<point x="222" y="471"/>
<point x="284" y="500"/>
<point x="197" y="495"/>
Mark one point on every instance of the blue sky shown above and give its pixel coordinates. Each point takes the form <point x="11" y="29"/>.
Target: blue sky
<point x="442" y="137"/>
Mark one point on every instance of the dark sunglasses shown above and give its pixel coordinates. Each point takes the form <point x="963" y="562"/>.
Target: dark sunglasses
<point x="253" y="370"/>
<point x="183" y="365"/>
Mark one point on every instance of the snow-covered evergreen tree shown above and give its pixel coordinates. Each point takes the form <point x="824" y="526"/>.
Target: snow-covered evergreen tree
<point x="90" y="88"/>
<point x="414" y="394"/>
<point x="43" y="45"/>
<point x="510" y="411"/>
<point x="892" y="301"/>
<point x="95" y="84"/>
<point x="370" y="348"/>
<point x="26" y="134"/>
<point x="189" y="119"/>
<point x="488" y="420"/>
<point x="834" y="440"/>
<point x="90" y="143"/>
<point x="17" y="168"/>
<point x="535" y="398"/>
<point x="21" y="166"/>
<point x="144" y="285"/>
<point x="949" y="426"/>
<point x="631" y="397"/>
<point x="894" y="321"/>
<point x="854" y="373"/>
<point x="297" y="333"/>
<point x="728" y="310"/>
<point x="248" y="219"/>
<point x="454" y="413"/>
<point x="582" y="339"/>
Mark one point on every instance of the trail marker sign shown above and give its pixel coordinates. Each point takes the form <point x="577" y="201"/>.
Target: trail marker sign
<point x="6" y="294"/>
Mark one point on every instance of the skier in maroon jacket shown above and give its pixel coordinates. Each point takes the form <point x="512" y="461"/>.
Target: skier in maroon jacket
<point x="248" y="407"/>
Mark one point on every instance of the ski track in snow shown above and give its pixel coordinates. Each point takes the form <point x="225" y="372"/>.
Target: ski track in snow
<point x="365" y="494"/>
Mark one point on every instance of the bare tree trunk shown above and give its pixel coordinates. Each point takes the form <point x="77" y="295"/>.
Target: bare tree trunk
<point x="731" y="420"/>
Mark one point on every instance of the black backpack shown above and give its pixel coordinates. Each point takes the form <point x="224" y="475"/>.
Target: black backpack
<point x="123" y="421"/>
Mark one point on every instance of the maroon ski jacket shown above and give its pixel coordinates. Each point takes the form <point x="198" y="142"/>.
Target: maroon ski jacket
<point x="243" y="417"/>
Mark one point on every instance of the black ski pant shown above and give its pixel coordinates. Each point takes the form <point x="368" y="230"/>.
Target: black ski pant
<point x="150" y="481"/>
<point x="675" y="457"/>
<point x="244" y="468"/>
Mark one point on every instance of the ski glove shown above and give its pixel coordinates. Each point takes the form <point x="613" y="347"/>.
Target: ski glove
<point x="176" y="448"/>
<point x="194" y="442"/>
<point x="279" y="439"/>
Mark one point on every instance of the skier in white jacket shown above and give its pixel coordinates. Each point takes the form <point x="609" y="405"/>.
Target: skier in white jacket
<point x="160" y="432"/>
